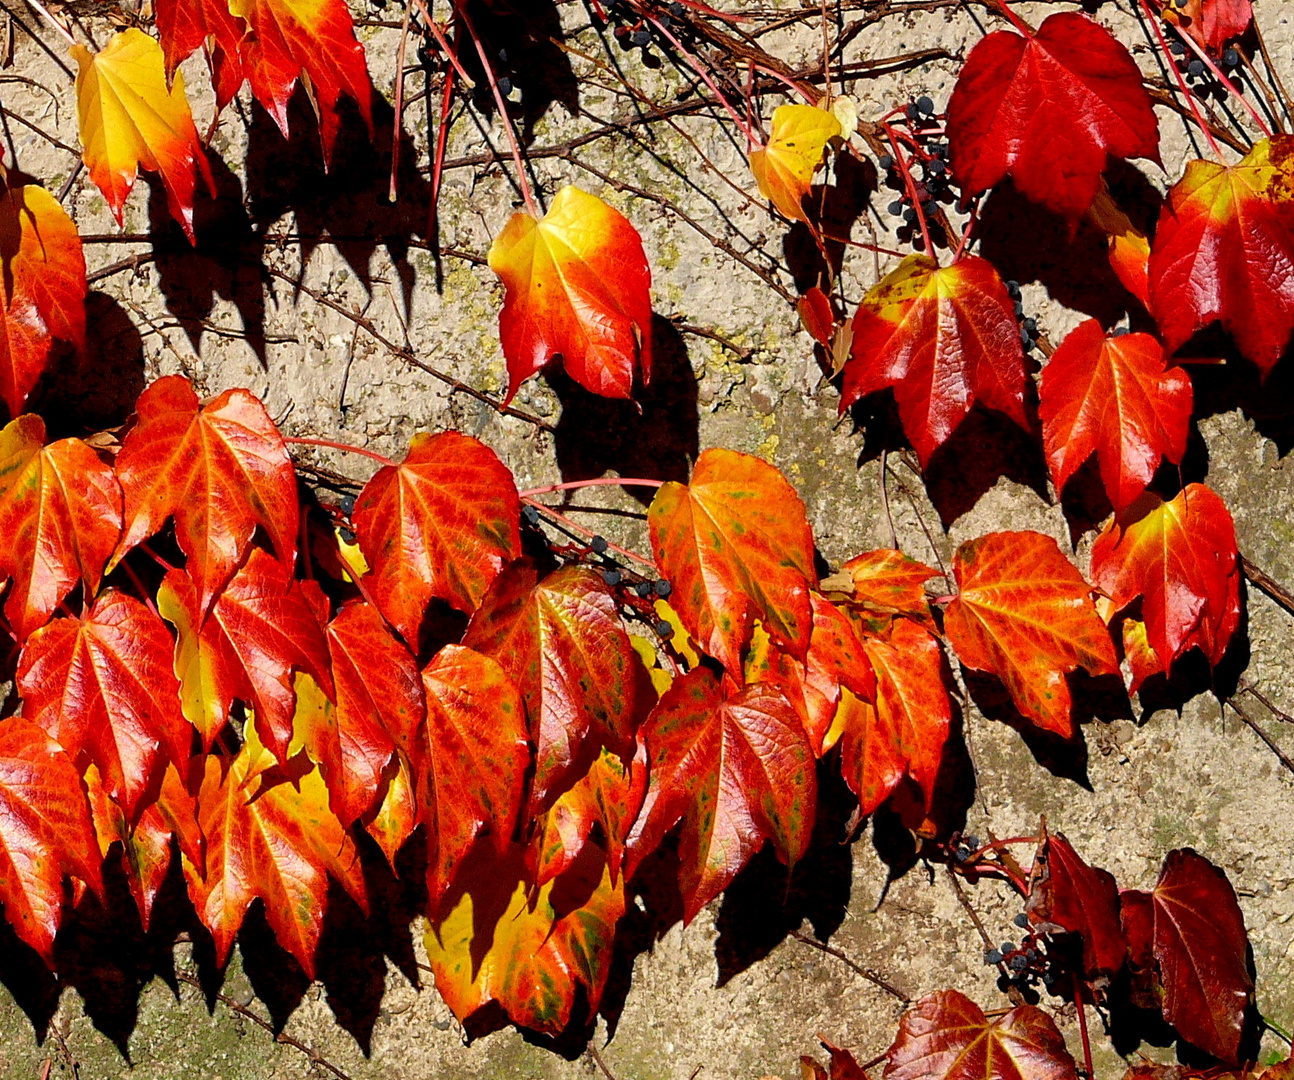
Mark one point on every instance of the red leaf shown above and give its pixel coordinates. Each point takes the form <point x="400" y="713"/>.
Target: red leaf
<point x="60" y="512"/>
<point x="889" y="582"/>
<point x="45" y="832"/>
<point x="1025" y="614"/>
<point x="42" y="258"/>
<point x="1224" y="250"/>
<point x="184" y="26"/>
<point x="1084" y="900"/>
<point x="1180" y="558"/>
<point x="442" y="524"/>
<point x="816" y="316"/>
<point x="944" y="338"/>
<point x="219" y="469"/>
<point x="24" y="351"/>
<point x="103" y="686"/>
<point x="1137" y="919"/>
<point x="1113" y="397"/>
<point x="737" y="771"/>
<point x="1049" y="111"/>
<point x="1200" y="944"/>
<point x="1212" y="23"/>
<point x="946" y="1036"/>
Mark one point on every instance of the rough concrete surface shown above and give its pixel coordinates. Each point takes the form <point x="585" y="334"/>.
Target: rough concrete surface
<point x="696" y="1006"/>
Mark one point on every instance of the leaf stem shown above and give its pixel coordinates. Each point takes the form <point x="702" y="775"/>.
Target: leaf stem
<point x="705" y="77"/>
<point x="1181" y="83"/>
<point x="63" y="31"/>
<point x="605" y="481"/>
<point x="330" y="444"/>
<point x="139" y="586"/>
<point x="1276" y="1029"/>
<point x="1082" y="1027"/>
<point x="910" y="184"/>
<point x="1004" y="9"/>
<point x="1228" y="84"/>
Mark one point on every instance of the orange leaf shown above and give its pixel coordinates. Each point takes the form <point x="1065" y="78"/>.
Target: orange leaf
<point x="889" y="582"/>
<point x="60" y="510"/>
<point x="41" y="253"/>
<point x="576" y="284"/>
<point x="24" y="351"/>
<point x="735" y="544"/>
<point x="943" y="338"/>
<point x="1113" y="397"/>
<point x="1025" y="614"/>
<point x="1129" y="246"/>
<point x="129" y="117"/>
<point x="784" y="168"/>
<point x="442" y="524"/>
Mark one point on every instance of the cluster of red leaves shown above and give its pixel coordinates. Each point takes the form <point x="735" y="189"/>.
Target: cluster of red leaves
<point x="201" y="657"/>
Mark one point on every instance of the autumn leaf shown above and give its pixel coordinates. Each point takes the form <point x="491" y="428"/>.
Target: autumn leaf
<point x="738" y="771"/>
<point x="1049" y="111"/>
<point x="784" y="168"/>
<point x="1180" y="557"/>
<point x="889" y="582"/>
<point x="184" y="26"/>
<point x="1082" y="899"/>
<point x="946" y="1036"/>
<point x="943" y="338"/>
<point x="442" y="524"/>
<point x="1201" y="946"/>
<point x="1212" y="23"/>
<point x="816" y="316"/>
<point x="261" y="628"/>
<point x="1224" y="251"/>
<point x="45" y="832"/>
<point x="129" y="117"/>
<point x="220" y="469"/>
<point x="24" y="351"/>
<point x="1129" y="247"/>
<point x="576" y="285"/>
<point x="103" y="686"/>
<point x="1116" y="398"/>
<point x="1025" y="614"/>
<point x="735" y="544"/>
<point x="60" y="512"/>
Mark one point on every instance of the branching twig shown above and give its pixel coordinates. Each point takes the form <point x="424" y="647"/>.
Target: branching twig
<point x="866" y="973"/>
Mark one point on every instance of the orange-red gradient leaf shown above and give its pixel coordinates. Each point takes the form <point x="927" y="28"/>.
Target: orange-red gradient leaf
<point x="735" y="544"/>
<point x="1049" y="111"/>
<point x="24" y="351"/>
<point x="42" y="259"/>
<point x="888" y="582"/>
<point x="184" y="26"/>
<point x="944" y="338"/>
<point x="442" y="524"/>
<point x="60" y="514"/>
<point x="219" y="469"/>
<point x="738" y="771"/>
<point x="1180" y="558"/>
<point x="1212" y="23"/>
<point x="1224" y="250"/>
<point x="1025" y="614"/>
<point x="129" y="117"/>
<point x="45" y="832"/>
<point x="576" y="285"/>
<point x="103" y="686"/>
<point x="1116" y="398"/>
<point x="784" y="168"/>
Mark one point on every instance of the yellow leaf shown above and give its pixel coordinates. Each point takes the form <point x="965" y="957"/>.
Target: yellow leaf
<point x="784" y="168"/>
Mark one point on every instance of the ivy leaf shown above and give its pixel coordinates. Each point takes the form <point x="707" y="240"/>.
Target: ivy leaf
<point x="1180" y="557"/>
<point x="784" y="168"/>
<point x="737" y="771"/>
<point x="1224" y="250"/>
<point x="1201" y="946"/>
<point x="562" y="642"/>
<point x="576" y="285"/>
<point x="735" y="544"/>
<point x="60" y="512"/>
<point x="473" y="759"/>
<point x="184" y="26"/>
<point x="260" y="629"/>
<point x="889" y="582"/>
<point x="946" y="1036"/>
<point x="442" y="524"/>
<point x="269" y="834"/>
<point x="103" y="687"/>
<point x="1129" y="247"/>
<point x="1049" y="111"/>
<point x="219" y="469"/>
<point x="1212" y="23"/>
<point x="1025" y="614"/>
<point x="24" y="351"/>
<point x="1116" y="398"/>
<point x="130" y="116"/>
<point x="1082" y="899"/>
<point x="45" y="832"/>
<point x="944" y="338"/>
<point x="42" y="258"/>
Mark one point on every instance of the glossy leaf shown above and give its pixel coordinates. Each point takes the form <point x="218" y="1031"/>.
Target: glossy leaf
<point x="562" y="642"/>
<point x="1180" y="557"/>
<point x="1025" y="614"/>
<point x="946" y="1036"/>
<point x="25" y="345"/>
<point x="184" y="26"/>
<point x="889" y="582"/>
<point x="816" y="316"/>
<point x="784" y="168"/>
<point x="576" y="285"/>
<point x="1212" y="23"/>
<point x="219" y="469"/>
<point x="943" y="338"/>
<point x="442" y="524"/>
<point x="1082" y="899"/>
<point x="1201" y="945"/>
<point x="1224" y="250"/>
<point x="735" y="544"/>
<point x="42" y="259"/>
<point x="131" y="117"/>
<point x="1129" y="247"/>
<point x="60" y="512"/>
<point x="45" y="832"/>
<point x="1113" y="397"/>
<point x="1049" y="111"/>
<point x="104" y="688"/>
<point x="738" y="771"/>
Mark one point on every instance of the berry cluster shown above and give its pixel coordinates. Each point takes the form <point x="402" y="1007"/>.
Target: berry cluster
<point x="1028" y="325"/>
<point x="1026" y="964"/>
<point x="1199" y="79"/>
<point x="928" y="167"/>
<point x="632" y="32"/>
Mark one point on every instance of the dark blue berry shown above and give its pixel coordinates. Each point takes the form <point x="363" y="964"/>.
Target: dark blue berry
<point x="1196" y="67"/>
<point x="962" y="853"/>
<point x="912" y="112"/>
<point x="598" y="544"/>
<point x="1018" y="962"/>
<point x="1177" y="48"/>
<point x="505" y="86"/>
<point x="530" y="514"/>
<point x="896" y="207"/>
<point x="346" y="535"/>
<point x="885" y="162"/>
<point x="664" y="629"/>
<point x="936" y="166"/>
<point x="925" y="105"/>
<point x="663" y="588"/>
<point x="1031" y="325"/>
<point x="909" y="215"/>
<point x="1019" y="309"/>
<point x="971" y="842"/>
<point x="1013" y="288"/>
<point x="1006" y="947"/>
<point x="348" y="505"/>
<point x="611" y="577"/>
<point x="1119" y="331"/>
<point x="640" y="37"/>
<point x="1021" y="920"/>
<point x="1230" y="57"/>
<point x="992" y="957"/>
<point x="643" y="588"/>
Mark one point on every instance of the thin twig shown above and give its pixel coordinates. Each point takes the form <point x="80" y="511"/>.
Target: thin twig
<point x="597" y="1060"/>
<point x="1271" y="743"/>
<point x="1268" y="584"/>
<point x="866" y="973"/>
